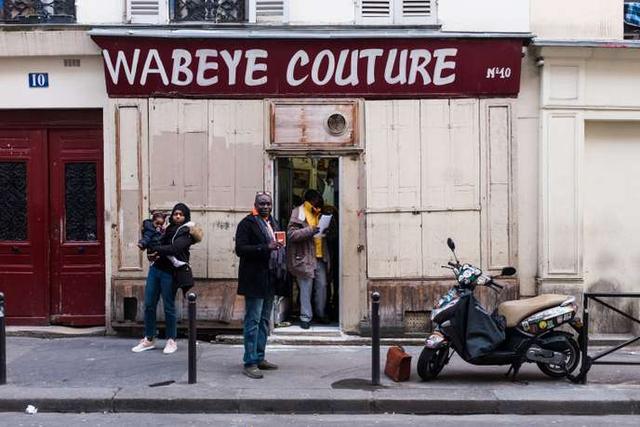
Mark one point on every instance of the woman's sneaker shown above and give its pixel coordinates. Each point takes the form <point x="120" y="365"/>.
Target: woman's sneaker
<point x="170" y="347"/>
<point x="144" y="345"/>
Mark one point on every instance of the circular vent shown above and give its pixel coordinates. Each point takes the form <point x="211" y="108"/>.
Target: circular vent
<point x="336" y="124"/>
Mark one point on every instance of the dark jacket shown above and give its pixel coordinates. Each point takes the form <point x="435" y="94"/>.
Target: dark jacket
<point x="150" y="236"/>
<point x="177" y="240"/>
<point x="178" y="246"/>
<point x="252" y="246"/>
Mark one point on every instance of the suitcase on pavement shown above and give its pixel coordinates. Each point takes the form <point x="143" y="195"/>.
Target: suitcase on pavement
<point x="398" y="366"/>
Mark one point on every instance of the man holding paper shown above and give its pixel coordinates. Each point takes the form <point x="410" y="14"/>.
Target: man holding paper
<point x="308" y="255"/>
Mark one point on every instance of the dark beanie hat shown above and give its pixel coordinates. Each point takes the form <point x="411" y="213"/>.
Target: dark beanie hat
<point x="184" y="209"/>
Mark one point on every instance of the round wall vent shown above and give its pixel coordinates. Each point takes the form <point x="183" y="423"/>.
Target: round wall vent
<point x="336" y="124"/>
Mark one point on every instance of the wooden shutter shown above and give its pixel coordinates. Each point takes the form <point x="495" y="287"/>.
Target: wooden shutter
<point x="268" y="11"/>
<point x="144" y="11"/>
<point x="375" y="12"/>
<point x="420" y="12"/>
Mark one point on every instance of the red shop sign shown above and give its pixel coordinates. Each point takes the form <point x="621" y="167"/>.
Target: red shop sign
<point x="255" y="68"/>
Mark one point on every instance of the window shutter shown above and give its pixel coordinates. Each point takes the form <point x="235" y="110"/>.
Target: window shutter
<point x="143" y="11"/>
<point x="420" y="12"/>
<point x="375" y="12"/>
<point x="268" y="11"/>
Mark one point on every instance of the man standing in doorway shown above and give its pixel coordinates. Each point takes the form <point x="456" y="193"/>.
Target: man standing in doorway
<point x="308" y="257"/>
<point x="262" y="262"/>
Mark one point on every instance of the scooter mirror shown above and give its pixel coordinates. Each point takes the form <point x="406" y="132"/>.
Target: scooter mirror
<point x="450" y="243"/>
<point x="508" y="271"/>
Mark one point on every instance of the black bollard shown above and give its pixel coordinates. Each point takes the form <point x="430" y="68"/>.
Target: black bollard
<point x="375" y="338"/>
<point x="3" y="344"/>
<point x="192" y="338"/>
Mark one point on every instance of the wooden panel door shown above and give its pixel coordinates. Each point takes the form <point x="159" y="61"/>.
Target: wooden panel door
<point x="76" y="231"/>
<point x="23" y="248"/>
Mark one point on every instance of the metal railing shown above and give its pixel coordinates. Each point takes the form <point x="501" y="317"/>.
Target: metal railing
<point x="209" y="11"/>
<point x="588" y="361"/>
<point x="37" y="11"/>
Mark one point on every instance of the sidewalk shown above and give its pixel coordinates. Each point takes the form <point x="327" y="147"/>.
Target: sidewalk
<point x="101" y="374"/>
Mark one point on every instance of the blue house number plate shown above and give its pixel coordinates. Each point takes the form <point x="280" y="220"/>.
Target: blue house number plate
<point x="38" y="79"/>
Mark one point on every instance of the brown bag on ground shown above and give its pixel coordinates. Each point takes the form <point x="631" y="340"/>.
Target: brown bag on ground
<point x="398" y="366"/>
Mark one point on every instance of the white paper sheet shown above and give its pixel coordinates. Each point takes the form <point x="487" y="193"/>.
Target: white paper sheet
<point x="323" y="224"/>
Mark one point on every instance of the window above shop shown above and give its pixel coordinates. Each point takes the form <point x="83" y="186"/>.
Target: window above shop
<point x="37" y="11"/>
<point x="206" y="11"/>
<point x="217" y="11"/>
<point x="402" y="12"/>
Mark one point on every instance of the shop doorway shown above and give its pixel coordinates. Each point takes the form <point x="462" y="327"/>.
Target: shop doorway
<point x="51" y="217"/>
<point x="295" y="175"/>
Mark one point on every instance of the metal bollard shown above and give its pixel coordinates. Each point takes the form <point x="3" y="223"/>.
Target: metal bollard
<point x="192" y="338"/>
<point x="375" y="338"/>
<point x="3" y="344"/>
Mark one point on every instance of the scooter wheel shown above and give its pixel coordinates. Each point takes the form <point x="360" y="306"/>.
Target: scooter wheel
<point x="431" y="362"/>
<point x="573" y="359"/>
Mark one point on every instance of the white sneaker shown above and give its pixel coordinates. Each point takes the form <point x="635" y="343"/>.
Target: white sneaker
<point x="170" y="347"/>
<point x="144" y="345"/>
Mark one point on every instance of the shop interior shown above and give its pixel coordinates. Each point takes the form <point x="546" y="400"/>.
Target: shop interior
<point x="294" y="175"/>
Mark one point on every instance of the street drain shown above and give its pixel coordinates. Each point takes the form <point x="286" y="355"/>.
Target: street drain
<point x="355" y="384"/>
<point x="163" y="383"/>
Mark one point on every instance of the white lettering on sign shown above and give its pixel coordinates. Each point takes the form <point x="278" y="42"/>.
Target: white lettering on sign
<point x="301" y="57"/>
<point x="252" y="67"/>
<point x="181" y="62"/>
<point x="442" y="64"/>
<point x="501" y="72"/>
<point x="232" y="63"/>
<point x="159" y="68"/>
<point x="371" y="55"/>
<point x="204" y="65"/>
<point x="121" y="61"/>
<point x="344" y="68"/>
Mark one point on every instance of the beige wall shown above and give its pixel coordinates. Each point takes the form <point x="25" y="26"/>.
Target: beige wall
<point x="69" y="87"/>
<point x="527" y="173"/>
<point x="611" y="201"/>
<point x="589" y="123"/>
<point x="577" y="19"/>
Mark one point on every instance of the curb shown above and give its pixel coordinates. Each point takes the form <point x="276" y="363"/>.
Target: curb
<point x="623" y="402"/>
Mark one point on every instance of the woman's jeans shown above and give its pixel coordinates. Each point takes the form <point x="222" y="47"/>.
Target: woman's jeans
<point x="257" y="312"/>
<point x="159" y="283"/>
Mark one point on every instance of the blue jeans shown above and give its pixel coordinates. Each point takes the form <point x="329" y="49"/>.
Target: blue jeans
<point x="159" y="283"/>
<point x="257" y="312"/>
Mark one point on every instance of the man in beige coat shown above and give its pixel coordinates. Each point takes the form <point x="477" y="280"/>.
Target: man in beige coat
<point x="308" y="257"/>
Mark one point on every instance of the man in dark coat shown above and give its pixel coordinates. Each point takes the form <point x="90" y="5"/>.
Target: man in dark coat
<point x="261" y="256"/>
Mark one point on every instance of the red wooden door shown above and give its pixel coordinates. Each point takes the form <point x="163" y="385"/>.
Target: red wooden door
<point x="23" y="225"/>
<point x="77" y="272"/>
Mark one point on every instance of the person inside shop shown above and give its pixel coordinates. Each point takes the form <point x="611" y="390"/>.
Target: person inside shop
<point x="308" y="257"/>
<point x="260" y="247"/>
<point x="174" y="247"/>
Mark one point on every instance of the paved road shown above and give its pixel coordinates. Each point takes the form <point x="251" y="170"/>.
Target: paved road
<point x="153" y="420"/>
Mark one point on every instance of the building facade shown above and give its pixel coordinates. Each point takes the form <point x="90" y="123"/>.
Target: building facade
<point x="484" y="159"/>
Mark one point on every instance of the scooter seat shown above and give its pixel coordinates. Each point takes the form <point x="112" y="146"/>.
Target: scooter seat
<point x="515" y="311"/>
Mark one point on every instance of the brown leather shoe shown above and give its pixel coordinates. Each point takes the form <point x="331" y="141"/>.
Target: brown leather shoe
<point x="267" y="366"/>
<point x="252" y="371"/>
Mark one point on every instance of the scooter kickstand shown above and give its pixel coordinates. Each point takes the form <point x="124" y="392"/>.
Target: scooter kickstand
<point x="515" y="367"/>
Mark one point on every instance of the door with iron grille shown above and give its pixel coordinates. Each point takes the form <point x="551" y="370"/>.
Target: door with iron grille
<point x="76" y="231"/>
<point x="52" y="260"/>
<point x="23" y="222"/>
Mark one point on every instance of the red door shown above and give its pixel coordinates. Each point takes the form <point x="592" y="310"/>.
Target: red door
<point x="76" y="227"/>
<point x="23" y="221"/>
<point x="51" y="217"/>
